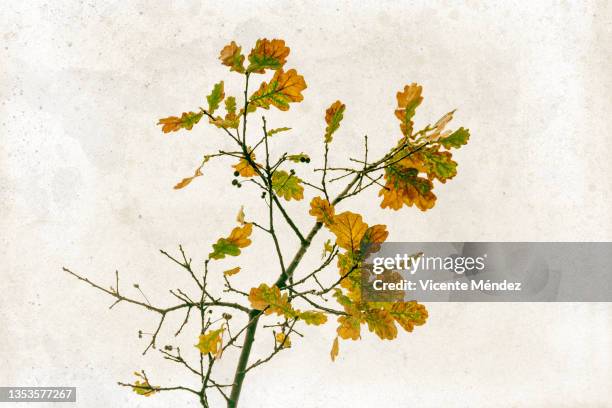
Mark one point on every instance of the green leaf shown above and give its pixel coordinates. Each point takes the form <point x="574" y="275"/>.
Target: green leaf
<point x="224" y="247"/>
<point x="215" y="98"/>
<point x="333" y="116"/>
<point x="287" y="185"/>
<point x="299" y="158"/>
<point x="456" y="139"/>
<point x="278" y="130"/>
<point x="440" y="165"/>
<point x="312" y="317"/>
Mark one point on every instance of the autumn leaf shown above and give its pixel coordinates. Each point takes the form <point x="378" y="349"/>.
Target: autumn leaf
<point x="439" y="164"/>
<point x="335" y="349"/>
<point x="322" y="210"/>
<point x="244" y="168"/>
<point x="198" y="172"/>
<point x="267" y="55"/>
<point x="372" y="238"/>
<point x="381" y="323"/>
<point x="407" y="102"/>
<point x="270" y="300"/>
<point x="284" y="88"/>
<point x="314" y="318"/>
<point x="403" y="186"/>
<point x="215" y="97"/>
<point x="327" y="248"/>
<point x="333" y="116"/>
<point x="456" y="139"/>
<point x="231" y="56"/>
<point x="186" y="121"/>
<point x="272" y="132"/>
<point x="210" y="341"/>
<point x="231" y="119"/>
<point x="348" y="228"/>
<point x="142" y="386"/>
<point x="239" y="238"/>
<point x="232" y="271"/>
<point x="240" y="216"/>
<point x="350" y="327"/>
<point x="282" y="340"/>
<point x="409" y="314"/>
<point x="287" y="185"/>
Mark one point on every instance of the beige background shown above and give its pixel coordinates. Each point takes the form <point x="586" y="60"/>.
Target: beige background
<point x="86" y="177"/>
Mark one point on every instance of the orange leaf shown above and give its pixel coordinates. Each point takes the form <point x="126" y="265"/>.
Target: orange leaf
<point x="267" y="55"/>
<point x="284" y="88"/>
<point x="407" y="102"/>
<point x="322" y="210"/>
<point x="348" y="228"/>
<point x="240" y="236"/>
<point x="232" y="57"/>
<point x="232" y="271"/>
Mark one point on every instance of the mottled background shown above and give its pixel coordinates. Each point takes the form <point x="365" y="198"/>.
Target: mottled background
<point x="86" y="181"/>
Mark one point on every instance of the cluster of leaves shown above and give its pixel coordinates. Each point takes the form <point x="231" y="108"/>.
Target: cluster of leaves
<point x="409" y="177"/>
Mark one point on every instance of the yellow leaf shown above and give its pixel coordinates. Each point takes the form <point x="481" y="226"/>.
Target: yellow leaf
<point x="282" y="340"/>
<point x="244" y="168"/>
<point x="314" y="318"/>
<point x="210" y="341"/>
<point x="349" y="327"/>
<point x="232" y="271"/>
<point x="335" y="349"/>
<point x="240" y="236"/>
<point x="142" y="386"/>
<point x="322" y="210"/>
<point x="284" y="88"/>
<point x="348" y="228"/>
<point x="270" y="300"/>
<point x="185" y="182"/>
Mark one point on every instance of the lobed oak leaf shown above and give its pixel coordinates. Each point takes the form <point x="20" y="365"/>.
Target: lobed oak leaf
<point x="322" y="210"/>
<point x="282" y="340"/>
<point x="174" y="123"/>
<point x="348" y="228"/>
<point x="409" y="314"/>
<point x="407" y="102"/>
<point x="240" y="216"/>
<point x="244" y="168"/>
<point x="270" y="300"/>
<point x="231" y="56"/>
<point x="239" y="238"/>
<point x="312" y="317"/>
<point x="381" y="322"/>
<point x="350" y="327"/>
<point x="456" y="139"/>
<point x="283" y="88"/>
<point x="215" y="97"/>
<point x="210" y="341"/>
<point x="333" y="116"/>
<point x="267" y="55"/>
<point x="403" y="186"/>
<point x="287" y="185"/>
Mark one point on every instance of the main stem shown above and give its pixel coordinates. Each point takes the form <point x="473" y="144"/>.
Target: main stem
<point x="254" y="314"/>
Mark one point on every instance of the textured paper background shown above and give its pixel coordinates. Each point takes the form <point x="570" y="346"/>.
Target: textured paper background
<point x="86" y="177"/>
